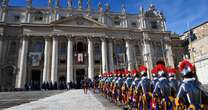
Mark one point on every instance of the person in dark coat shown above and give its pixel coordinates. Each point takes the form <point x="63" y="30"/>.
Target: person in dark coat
<point x="47" y="85"/>
<point x="50" y="85"/>
<point x="85" y="84"/>
<point x="43" y="86"/>
<point x="55" y="86"/>
<point x="26" y="86"/>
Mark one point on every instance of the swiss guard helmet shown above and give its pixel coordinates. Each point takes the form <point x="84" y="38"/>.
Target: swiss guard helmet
<point x="154" y="72"/>
<point x="127" y="72"/>
<point x="171" y="72"/>
<point x="134" y="72"/>
<point x="143" y="70"/>
<point x="161" y="70"/>
<point x="186" y="67"/>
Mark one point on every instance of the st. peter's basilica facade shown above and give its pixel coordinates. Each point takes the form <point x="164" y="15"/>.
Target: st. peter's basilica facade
<point x="55" y="43"/>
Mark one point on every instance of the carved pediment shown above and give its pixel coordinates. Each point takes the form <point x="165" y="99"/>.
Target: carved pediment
<point x="78" y="21"/>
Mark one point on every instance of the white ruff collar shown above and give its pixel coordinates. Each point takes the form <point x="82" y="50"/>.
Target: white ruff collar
<point x="189" y="79"/>
<point x="162" y="78"/>
<point x="145" y="77"/>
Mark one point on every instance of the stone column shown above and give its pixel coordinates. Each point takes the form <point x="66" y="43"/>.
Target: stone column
<point x="110" y="54"/>
<point x="3" y="14"/>
<point x="69" y="60"/>
<point x="54" y="64"/>
<point x="104" y="56"/>
<point x="1" y="62"/>
<point x="90" y="59"/>
<point x="47" y="54"/>
<point x="169" y="55"/>
<point x="27" y="16"/>
<point x="147" y="55"/>
<point x="1" y="48"/>
<point x="22" y="64"/>
<point x="129" y="55"/>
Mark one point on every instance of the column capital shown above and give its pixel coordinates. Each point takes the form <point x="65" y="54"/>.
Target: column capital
<point x="24" y="37"/>
<point x="103" y="39"/>
<point x="91" y="39"/>
<point x="110" y="39"/>
<point x="47" y="37"/>
<point x="128" y="40"/>
<point x="54" y="37"/>
<point x="69" y="37"/>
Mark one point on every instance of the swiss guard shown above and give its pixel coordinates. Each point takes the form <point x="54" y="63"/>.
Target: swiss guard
<point x="174" y="83"/>
<point x="135" y="98"/>
<point x="162" y="90"/>
<point x="154" y="78"/>
<point x="190" y="95"/>
<point x="128" y="83"/>
<point x="118" y="85"/>
<point x="144" y="89"/>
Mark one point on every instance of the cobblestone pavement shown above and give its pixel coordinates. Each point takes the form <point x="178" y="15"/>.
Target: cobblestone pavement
<point x="70" y="100"/>
<point x="9" y="99"/>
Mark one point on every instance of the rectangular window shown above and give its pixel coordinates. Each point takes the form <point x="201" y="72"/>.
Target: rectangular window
<point x="62" y="61"/>
<point x="97" y="62"/>
<point x="38" y="16"/>
<point x="97" y="49"/>
<point x="134" y="24"/>
<point x="16" y="18"/>
<point x="117" y="22"/>
<point x="154" y="25"/>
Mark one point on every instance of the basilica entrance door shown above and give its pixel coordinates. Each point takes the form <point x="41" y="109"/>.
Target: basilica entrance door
<point x="36" y="79"/>
<point x="80" y="73"/>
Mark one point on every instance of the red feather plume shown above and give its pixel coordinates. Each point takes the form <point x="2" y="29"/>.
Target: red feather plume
<point x="172" y="71"/>
<point x="134" y="71"/>
<point x="142" y="68"/>
<point x="161" y="68"/>
<point x="127" y="71"/>
<point x="154" y="70"/>
<point x="184" y="64"/>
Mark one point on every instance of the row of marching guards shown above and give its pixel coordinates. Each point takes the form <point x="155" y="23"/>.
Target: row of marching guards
<point x="134" y="90"/>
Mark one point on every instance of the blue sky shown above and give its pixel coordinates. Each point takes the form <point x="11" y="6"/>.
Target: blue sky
<point x="178" y="13"/>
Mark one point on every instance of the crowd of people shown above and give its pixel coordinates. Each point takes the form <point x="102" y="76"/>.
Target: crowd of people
<point x="48" y="85"/>
<point x="134" y="90"/>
